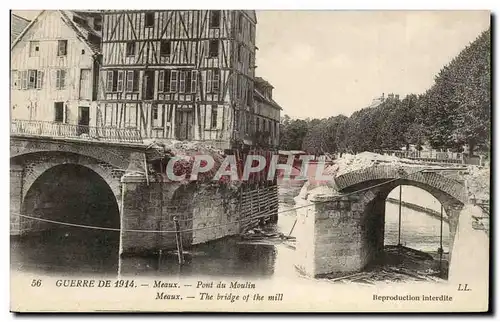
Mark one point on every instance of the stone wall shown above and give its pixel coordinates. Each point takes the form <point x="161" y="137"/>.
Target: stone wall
<point x="339" y="234"/>
<point x="215" y="214"/>
<point x="204" y="213"/>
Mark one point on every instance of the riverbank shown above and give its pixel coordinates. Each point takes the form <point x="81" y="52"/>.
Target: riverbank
<point x="412" y="206"/>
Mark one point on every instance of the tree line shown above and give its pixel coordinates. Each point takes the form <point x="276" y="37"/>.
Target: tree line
<point x="454" y="112"/>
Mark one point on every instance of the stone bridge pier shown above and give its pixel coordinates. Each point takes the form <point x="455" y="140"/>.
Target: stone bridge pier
<point x="342" y="230"/>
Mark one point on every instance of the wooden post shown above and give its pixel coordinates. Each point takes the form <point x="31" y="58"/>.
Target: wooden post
<point x="178" y="239"/>
<point x="399" y="224"/>
<point x="440" y="250"/>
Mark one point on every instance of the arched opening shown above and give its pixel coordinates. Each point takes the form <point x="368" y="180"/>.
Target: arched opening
<point x="76" y="195"/>
<point x="416" y="232"/>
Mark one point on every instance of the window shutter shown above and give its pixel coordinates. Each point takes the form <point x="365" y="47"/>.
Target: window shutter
<point x="173" y="81"/>
<point x="194" y="81"/>
<point x="109" y="81"/>
<point x="219" y="117"/>
<point x="63" y="78"/>
<point x="161" y="81"/>
<point x="188" y="81"/>
<point x="182" y="82"/>
<point x="215" y="81"/>
<point x="136" y="81"/>
<point x="166" y="87"/>
<point x="58" y="79"/>
<point x="39" y="79"/>
<point x="129" y="86"/>
<point x="209" y="81"/>
<point x="119" y="85"/>
<point x="208" y="117"/>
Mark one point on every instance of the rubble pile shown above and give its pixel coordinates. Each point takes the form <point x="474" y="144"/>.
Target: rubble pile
<point x="478" y="182"/>
<point x="399" y="264"/>
<point x="186" y="150"/>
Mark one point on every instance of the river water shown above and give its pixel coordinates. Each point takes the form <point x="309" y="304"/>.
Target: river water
<point x="75" y="251"/>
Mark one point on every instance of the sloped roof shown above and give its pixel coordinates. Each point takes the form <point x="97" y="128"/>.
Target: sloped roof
<point x="261" y="97"/>
<point x="17" y="25"/>
<point x="82" y="31"/>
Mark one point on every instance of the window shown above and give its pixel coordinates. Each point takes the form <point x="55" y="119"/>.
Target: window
<point x="59" y="112"/>
<point x="173" y="81"/>
<point x="119" y="85"/>
<point x="31" y="78"/>
<point x="60" y="78"/>
<point x="194" y="80"/>
<point x="34" y="48"/>
<point x="130" y="48"/>
<point x="250" y="61"/>
<point x="164" y="81"/>
<point x="62" y="47"/>
<point x="155" y="113"/>
<point x="214" y="18"/>
<point x="149" y="19"/>
<point x="213" y="121"/>
<point x="165" y="48"/>
<point x="213" y="48"/>
<point x="213" y="81"/>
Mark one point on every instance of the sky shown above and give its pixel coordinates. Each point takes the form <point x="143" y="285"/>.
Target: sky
<point x="326" y="63"/>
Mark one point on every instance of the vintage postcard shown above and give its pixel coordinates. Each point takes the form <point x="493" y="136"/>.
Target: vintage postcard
<point x="250" y="161"/>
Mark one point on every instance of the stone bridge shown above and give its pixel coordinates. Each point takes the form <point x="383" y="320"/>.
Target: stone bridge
<point x="343" y="230"/>
<point x="56" y="181"/>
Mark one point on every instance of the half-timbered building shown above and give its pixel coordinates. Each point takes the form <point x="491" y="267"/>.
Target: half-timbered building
<point x="185" y="75"/>
<point x="54" y="68"/>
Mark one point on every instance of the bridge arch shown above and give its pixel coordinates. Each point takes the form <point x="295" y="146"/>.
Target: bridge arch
<point x="72" y="193"/>
<point x="36" y="164"/>
<point x="367" y="190"/>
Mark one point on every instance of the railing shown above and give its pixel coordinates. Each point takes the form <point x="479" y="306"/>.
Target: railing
<point x="83" y="132"/>
<point x="430" y="156"/>
<point x="434" y="156"/>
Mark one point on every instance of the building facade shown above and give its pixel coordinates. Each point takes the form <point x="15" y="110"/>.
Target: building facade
<point x="54" y="68"/>
<point x="184" y="75"/>
<point x="266" y="116"/>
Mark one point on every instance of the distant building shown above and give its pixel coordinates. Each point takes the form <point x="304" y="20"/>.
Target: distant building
<point x="17" y="25"/>
<point x="266" y="114"/>
<point x="54" y="68"/>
